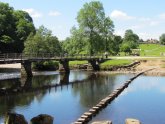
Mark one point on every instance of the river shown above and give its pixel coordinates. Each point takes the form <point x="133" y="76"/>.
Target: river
<point x="79" y="91"/>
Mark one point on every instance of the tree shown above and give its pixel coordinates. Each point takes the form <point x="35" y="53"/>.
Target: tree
<point x="108" y="29"/>
<point x="95" y="26"/>
<point x="130" y="36"/>
<point x="42" y="42"/>
<point x="125" y="48"/>
<point x="76" y="44"/>
<point x="7" y="27"/>
<point x="130" y="41"/>
<point x="24" y="26"/>
<point x="115" y="44"/>
<point x="162" y="39"/>
<point x="15" y="27"/>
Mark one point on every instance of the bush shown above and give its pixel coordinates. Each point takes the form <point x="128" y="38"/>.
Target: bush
<point x="46" y="65"/>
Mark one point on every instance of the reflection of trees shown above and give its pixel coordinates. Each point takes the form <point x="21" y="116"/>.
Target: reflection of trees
<point x="8" y="102"/>
<point x="45" y="80"/>
<point x="64" y="78"/>
<point x="36" y="81"/>
<point x="94" y="89"/>
<point x="10" y="83"/>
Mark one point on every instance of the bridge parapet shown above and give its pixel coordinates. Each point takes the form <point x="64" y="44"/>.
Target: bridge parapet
<point x="27" y="59"/>
<point x="47" y="56"/>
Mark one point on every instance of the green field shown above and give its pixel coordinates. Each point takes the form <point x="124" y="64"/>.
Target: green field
<point x="152" y="49"/>
<point x="146" y="50"/>
<point x="115" y="62"/>
<point x="72" y="63"/>
<point x="107" y="64"/>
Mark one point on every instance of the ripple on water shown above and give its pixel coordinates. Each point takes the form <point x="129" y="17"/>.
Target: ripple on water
<point x="9" y="75"/>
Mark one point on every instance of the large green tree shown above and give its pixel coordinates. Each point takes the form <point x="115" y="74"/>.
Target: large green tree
<point x="76" y="43"/>
<point x="97" y="28"/>
<point x="42" y="42"/>
<point x="130" y="41"/>
<point x="115" y="44"/>
<point x="15" y="27"/>
<point x="162" y="39"/>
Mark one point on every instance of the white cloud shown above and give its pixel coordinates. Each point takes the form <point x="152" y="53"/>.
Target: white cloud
<point x="33" y="13"/>
<point x="162" y="16"/>
<point x="154" y="23"/>
<point x="135" y="27"/>
<point x="54" y="13"/>
<point x="117" y="14"/>
<point x="119" y="32"/>
<point x="144" y="19"/>
<point x="146" y="35"/>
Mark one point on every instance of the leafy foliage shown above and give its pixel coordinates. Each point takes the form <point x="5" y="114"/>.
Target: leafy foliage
<point x="15" y="27"/>
<point x="130" y="41"/>
<point x="42" y="42"/>
<point x="76" y="43"/>
<point x="95" y="26"/>
<point x="47" y="65"/>
<point x="162" y="39"/>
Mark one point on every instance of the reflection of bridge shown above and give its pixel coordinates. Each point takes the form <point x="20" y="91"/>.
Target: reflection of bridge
<point x="27" y="59"/>
<point x="25" y="86"/>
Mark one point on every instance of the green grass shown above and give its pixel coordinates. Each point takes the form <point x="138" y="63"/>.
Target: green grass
<point x="116" y="62"/>
<point x="151" y="49"/>
<point x="72" y="63"/>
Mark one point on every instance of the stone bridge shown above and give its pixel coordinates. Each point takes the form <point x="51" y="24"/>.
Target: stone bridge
<point x="27" y="59"/>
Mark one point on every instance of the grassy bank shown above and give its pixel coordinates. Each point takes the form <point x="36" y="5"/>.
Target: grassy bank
<point x="53" y="65"/>
<point x="107" y="64"/>
<point x="152" y="49"/>
<point x="73" y="63"/>
<point x="115" y="62"/>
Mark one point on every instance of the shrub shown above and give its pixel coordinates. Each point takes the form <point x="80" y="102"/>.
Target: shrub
<point x="46" y="65"/>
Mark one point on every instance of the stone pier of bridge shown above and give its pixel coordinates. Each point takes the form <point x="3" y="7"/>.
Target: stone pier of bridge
<point x="64" y="66"/>
<point x="26" y="70"/>
<point x="95" y="64"/>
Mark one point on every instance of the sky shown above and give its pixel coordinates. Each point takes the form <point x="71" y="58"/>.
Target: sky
<point x="145" y="17"/>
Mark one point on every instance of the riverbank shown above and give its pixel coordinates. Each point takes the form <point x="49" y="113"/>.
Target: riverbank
<point x="158" y="67"/>
<point x="14" y="66"/>
<point x="157" y="64"/>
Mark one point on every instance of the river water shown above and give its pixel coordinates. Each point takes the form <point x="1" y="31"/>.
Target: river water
<point x="143" y="99"/>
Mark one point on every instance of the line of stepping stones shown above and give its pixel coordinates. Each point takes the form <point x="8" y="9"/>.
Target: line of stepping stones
<point x="87" y="116"/>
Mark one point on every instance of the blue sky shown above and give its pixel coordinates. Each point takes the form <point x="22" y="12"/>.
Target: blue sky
<point x="144" y="17"/>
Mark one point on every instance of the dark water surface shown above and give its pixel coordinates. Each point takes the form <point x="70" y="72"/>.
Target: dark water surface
<point x="65" y="103"/>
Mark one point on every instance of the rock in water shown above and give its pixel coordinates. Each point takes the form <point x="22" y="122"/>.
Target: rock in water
<point x="42" y="119"/>
<point x="14" y="118"/>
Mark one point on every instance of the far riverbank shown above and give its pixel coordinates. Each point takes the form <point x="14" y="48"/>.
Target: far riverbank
<point x="158" y="65"/>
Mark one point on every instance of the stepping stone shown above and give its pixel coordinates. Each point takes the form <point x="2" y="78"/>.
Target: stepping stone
<point x="78" y="122"/>
<point x="132" y="121"/>
<point x="81" y="120"/>
<point x="88" y="114"/>
<point x="102" y="122"/>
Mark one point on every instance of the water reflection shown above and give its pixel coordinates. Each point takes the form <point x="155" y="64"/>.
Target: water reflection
<point x="64" y="78"/>
<point x="94" y="90"/>
<point x="37" y="83"/>
<point x="143" y="99"/>
<point x="80" y="90"/>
